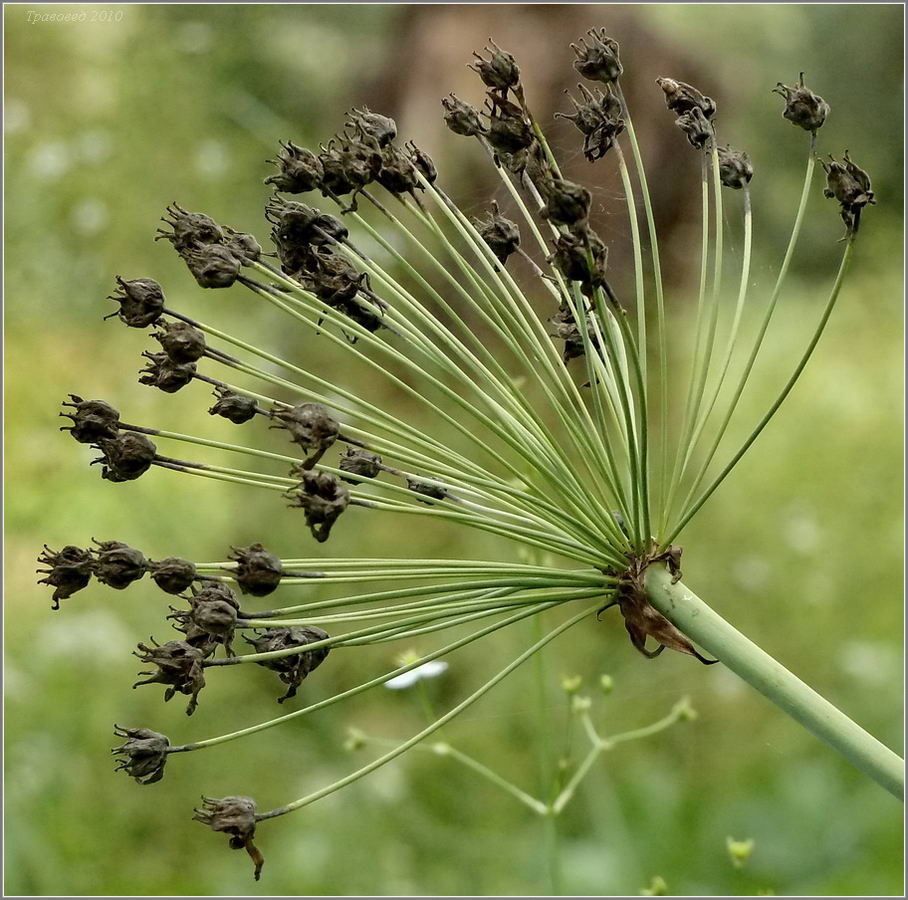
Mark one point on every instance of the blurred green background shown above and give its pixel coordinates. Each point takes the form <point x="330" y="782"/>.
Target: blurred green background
<point x="107" y="122"/>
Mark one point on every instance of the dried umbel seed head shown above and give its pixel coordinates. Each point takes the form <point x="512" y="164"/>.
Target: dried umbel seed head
<point x="850" y="186"/>
<point x="462" y="118"/>
<point x="70" y="570"/>
<point x="189" y="230"/>
<point x="311" y="427"/>
<point x="598" y="59"/>
<point x="376" y="126"/>
<point x="212" y="265"/>
<point x="237" y="408"/>
<point x="509" y="131"/>
<point x="300" y="170"/>
<point x="427" y="489"/>
<point x="292" y="669"/>
<point x="126" y="457"/>
<point x="211" y="618"/>
<point x="499" y="71"/>
<point x="571" y="258"/>
<point x="172" y="575"/>
<point x="363" y="463"/>
<point x="179" y="667"/>
<point x="162" y="372"/>
<point x="92" y="420"/>
<point x="258" y="572"/>
<point x="501" y="234"/>
<point x="143" y="755"/>
<point x="802" y="106"/>
<point x="242" y="245"/>
<point x="566" y="203"/>
<point x="598" y="118"/>
<point x="735" y="169"/>
<point x="422" y="161"/>
<point x="234" y="816"/>
<point x="141" y="302"/>
<point x="323" y="497"/>
<point x="681" y="98"/>
<point x="397" y="174"/>
<point x="118" y="565"/>
<point x="697" y="127"/>
<point x="182" y="342"/>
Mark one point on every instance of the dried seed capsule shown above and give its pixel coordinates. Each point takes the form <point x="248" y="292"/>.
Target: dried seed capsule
<point x="182" y="342"/>
<point x="141" y="302"/>
<point x="427" y="489"/>
<point x="162" y="372"/>
<point x="397" y="174"/>
<point x="599" y="120"/>
<point x="311" y="427"/>
<point x="566" y="203"/>
<point x="499" y="71"/>
<point x="501" y="234"/>
<point x="350" y="165"/>
<point x="179" y="667"/>
<point x="143" y="755"/>
<point x="379" y="127"/>
<point x="212" y="265"/>
<point x="360" y="462"/>
<point x="70" y="570"/>
<point x="92" y="420"/>
<point x="297" y="224"/>
<point x="291" y="669"/>
<point x="696" y="126"/>
<point x="735" y="169"/>
<point x="234" y="816"/>
<point x="300" y="170"/>
<point x="172" y="575"/>
<point x="567" y="330"/>
<point x="598" y="60"/>
<point x="211" y="618"/>
<point x="126" y="457"/>
<point x="422" y="161"/>
<point x="237" y="408"/>
<point x="850" y="186"/>
<point x="509" y="132"/>
<point x="258" y="572"/>
<point x="189" y="230"/>
<point x="571" y="258"/>
<point x="462" y="118"/>
<point x="802" y="106"/>
<point x="681" y="98"/>
<point x="323" y="497"/>
<point x="118" y="565"/>
<point x="242" y="245"/>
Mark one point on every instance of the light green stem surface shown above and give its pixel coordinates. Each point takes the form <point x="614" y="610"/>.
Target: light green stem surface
<point x="703" y="625"/>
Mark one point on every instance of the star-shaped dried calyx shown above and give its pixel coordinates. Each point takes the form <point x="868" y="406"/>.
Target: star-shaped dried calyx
<point x="126" y="456"/>
<point x="182" y="342"/>
<point x="141" y="302"/>
<point x="598" y="118"/>
<point x="234" y="816"/>
<point x="349" y="164"/>
<point x="397" y="174"/>
<point x="70" y="570"/>
<point x="323" y="497"/>
<point x="697" y="127"/>
<point x="179" y="667"/>
<point x="143" y="755"/>
<point x="258" y="572"/>
<point x="118" y="565"/>
<point x="162" y="372"/>
<point x="189" y="230"/>
<point x="311" y="427"/>
<point x="499" y="71"/>
<point x="92" y="420"/>
<point x="598" y="60"/>
<point x="500" y="234"/>
<point x="803" y="107"/>
<point x="235" y="407"/>
<point x="291" y="669"/>
<point x="364" y="463"/>
<point x="300" y="170"/>
<point x="735" y="169"/>
<point x="172" y="575"/>
<point x="211" y="618"/>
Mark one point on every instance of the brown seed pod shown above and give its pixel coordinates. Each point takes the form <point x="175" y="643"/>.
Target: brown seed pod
<point x="258" y="572"/>
<point x="70" y="570"/>
<point x="291" y="669"/>
<point x="179" y="667"/>
<point x="141" y="302"/>
<point x="311" y="427"/>
<point x="234" y="816"/>
<point x="118" y="565"/>
<point x="143" y="755"/>
<point x="92" y="420"/>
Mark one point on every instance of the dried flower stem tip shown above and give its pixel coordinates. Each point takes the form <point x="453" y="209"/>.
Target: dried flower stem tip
<point x="70" y="570"/>
<point x="143" y="755"/>
<point x="291" y="669"/>
<point x="234" y="816"/>
<point x="141" y="302"/>
<point x="92" y="420"/>
<point x="323" y="497"/>
<point x="499" y="71"/>
<point x="803" y="107"/>
<point x="598" y="60"/>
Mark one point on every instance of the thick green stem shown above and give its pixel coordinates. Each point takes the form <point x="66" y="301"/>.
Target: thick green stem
<point x="703" y="625"/>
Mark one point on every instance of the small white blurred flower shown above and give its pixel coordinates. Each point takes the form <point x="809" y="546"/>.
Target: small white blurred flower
<point x="426" y="670"/>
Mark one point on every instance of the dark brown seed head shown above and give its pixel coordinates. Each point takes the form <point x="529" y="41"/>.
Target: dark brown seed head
<point x="566" y="203"/>
<point x="501" y="234"/>
<point x="735" y="168"/>
<point x="499" y="71"/>
<point x="292" y="669"/>
<point x="462" y="118"/>
<point x="179" y="667"/>
<point x="212" y="265"/>
<point x="681" y="98"/>
<point x="234" y="816"/>
<point x="599" y="120"/>
<point x="70" y="570"/>
<point x="360" y="462"/>
<point x="802" y="106"/>
<point x="141" y="302"/>
<point x="126" y="456"/>
<point x="189" y="231"/>
<point x="697" y="127"/>
<point x="182" y="342"/>
<point x="427" y="489"/>
<point x="258" y="572"/>
<point x="236" y="407"/>
<point x="172" y="575"/>
<point x="323" y="497"/>
<point x="143" y="755"/>
<point x="118" y="565"/>
<point x="571" y="258"/>
<point x="242" y="245"/>
<point x="422" y="161"/>
<point x="211" y="618"/>
<point x="92" y="420"/>
<point x="597" y="57"/>
<point x="381" y="128"/>
<point x="300" y="170"/>
<point x="397" y="174"/>
<point x="311" y="427"/>
<point x="162" y="372"/>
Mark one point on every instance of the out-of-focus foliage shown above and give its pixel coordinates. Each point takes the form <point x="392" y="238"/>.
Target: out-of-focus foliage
<point x="106" y="123"/>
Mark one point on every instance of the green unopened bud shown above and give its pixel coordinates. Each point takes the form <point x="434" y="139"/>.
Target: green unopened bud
<point x="657" y="887"/>
<point x="570" y="684"/>
<point x="580" y="705"/>
<point x="739" y="851"/>
<point x="356" y="740"/>
<point x="606" y="684"/>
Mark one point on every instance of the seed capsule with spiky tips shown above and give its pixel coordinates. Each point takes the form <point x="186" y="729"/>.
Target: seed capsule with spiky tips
<point x="566" y="203"/>
<point x="189" y="231"/>
<point x="300" y="170"/>
<point x="92" y="420"/>
<point x="509" y="132"/>
<point x="182" y="342"/>
<point x="297" y="224"/>
<point x="235" y="407"/>
<point x="350" y="165"/>
<point x="802" y="106"/>
<point x="681" y="98"/>
<point x="363" y="463"/>
<point x="427" y="489"/>
<point x="118" y="565"/>
<point x="179" y="667"/>
<point x="162" y="372"/>
<point x="212" y="265"/>
<point x="291" y="669"/>
<point x="234" y="816"/>
<point x="499" y="71"/>
<point x="242" y="245"/>
<point x="572" y="260"/>
<point x="735" y="169"/>
<point x="323" y="497"/>
<point x="397" y="174"/>
<point x="172" y="575"/>
<point x="462" y="118"/>
<point x="422" y="162"/>
<point x="500" y="234"/>
<point x="311" y="427"/>
<point x="697" y="127"/>
<point x="258" y="572"/>
<point x="141" y="302"/>
<point x="598" y="118"/>
<point x="143" y="755"/>
<point x="126" y="456"/>
<point x="850" y="186"/>
<point x="211" y="618"/>
<point x="382" y="128"/>
<point x="70" y="570"/>
<point x="598" y="59"/>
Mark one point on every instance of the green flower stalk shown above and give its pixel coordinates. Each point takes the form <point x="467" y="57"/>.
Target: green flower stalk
<point x="557" y="390"/>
